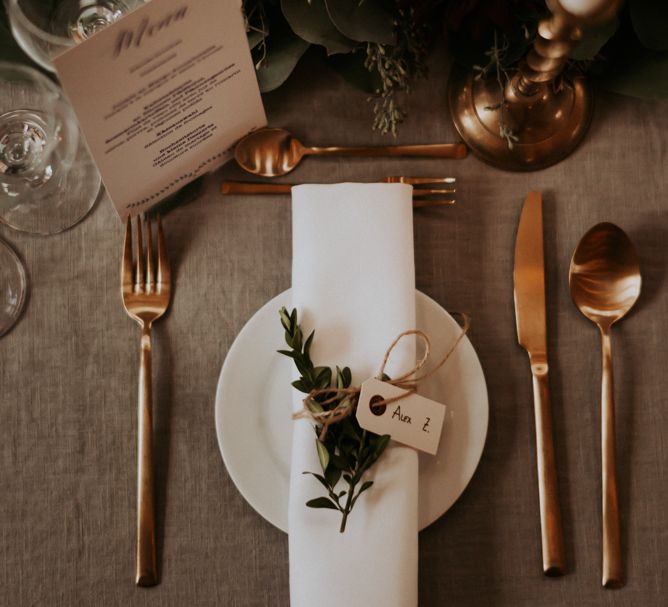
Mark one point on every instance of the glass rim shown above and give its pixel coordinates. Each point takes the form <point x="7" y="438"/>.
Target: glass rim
<point x="17" y="13"/>
<point x="34" y="73"/>
<point x="5" y="247"/>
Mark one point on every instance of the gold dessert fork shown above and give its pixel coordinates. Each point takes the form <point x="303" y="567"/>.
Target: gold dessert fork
<point x="146" y="298"/>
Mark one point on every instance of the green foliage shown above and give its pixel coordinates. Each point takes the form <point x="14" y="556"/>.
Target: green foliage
<point x="347" y="451"/>
<point x="365" y="21"/>
<point x="310" y="20"/>
<point x="375" y="44"/>
<point x="397" y="66"/>
<point x="283" y="54"/>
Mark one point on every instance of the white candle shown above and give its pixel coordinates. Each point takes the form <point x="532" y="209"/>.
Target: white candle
<point x="585" y="8"/>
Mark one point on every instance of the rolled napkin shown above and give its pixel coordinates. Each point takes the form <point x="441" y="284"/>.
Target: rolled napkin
<point x="353" y="281"/>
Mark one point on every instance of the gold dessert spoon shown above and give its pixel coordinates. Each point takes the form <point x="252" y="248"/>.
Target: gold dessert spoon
<point x="605" y="280"/>
<point x="274" y="152"/>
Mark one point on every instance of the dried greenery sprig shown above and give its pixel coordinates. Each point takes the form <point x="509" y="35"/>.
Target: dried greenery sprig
<point x="397" y="65"/>
<point x="345" y="451"/>
<point x="497" y="64"/>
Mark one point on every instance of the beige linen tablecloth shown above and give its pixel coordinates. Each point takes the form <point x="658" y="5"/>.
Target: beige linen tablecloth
<point x="68" y="375"/>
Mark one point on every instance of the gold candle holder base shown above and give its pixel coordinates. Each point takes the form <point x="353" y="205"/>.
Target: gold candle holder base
<point x="548" y="125"/>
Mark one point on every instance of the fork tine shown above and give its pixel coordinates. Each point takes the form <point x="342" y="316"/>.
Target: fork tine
<point x="139" y="275"/>
<point x="150" y="276"/>
<point x="126" y="266"/>
<point x="432" y="192"/>
<point x="164" y="272"/>
<point x="419" y="180"/>
<point x="429" y="202"/>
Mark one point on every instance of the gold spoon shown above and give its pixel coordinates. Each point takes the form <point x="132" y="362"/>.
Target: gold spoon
<point x="275" y="152"/>
<point x="604" y="279"/>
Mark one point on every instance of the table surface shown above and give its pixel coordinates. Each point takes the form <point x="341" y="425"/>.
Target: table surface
<point x="68" y="373"/>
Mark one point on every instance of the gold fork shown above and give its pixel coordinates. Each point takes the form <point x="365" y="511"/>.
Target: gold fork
<point x="427" y="191"/>
<point x="145" y="298"/>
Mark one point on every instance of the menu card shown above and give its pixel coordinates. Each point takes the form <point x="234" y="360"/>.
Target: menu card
<point x="162" y="95"/>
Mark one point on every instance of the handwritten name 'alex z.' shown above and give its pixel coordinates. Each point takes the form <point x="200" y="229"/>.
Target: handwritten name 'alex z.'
<point x="406" y="419"/>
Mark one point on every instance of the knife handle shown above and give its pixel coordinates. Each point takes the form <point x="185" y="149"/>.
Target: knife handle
<point x="552" y="536"/>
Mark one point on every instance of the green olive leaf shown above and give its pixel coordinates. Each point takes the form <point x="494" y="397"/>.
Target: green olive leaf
<point x="302" y="366"/>
<point x="365" y="485"/>
<point x="347" y="451"/>
<point x="323" y="455"/>
<point x="339" y="462"/>
<point x="301" y="386"/>
<point x="323" y="377"/>
<point x="321" y="502"/>
<point x="321" y="479"/>
<point x="332" y="476"/>
<point x="307" y="345"/>
<point x="339" y="378"/>
<point x="285" y="318"/>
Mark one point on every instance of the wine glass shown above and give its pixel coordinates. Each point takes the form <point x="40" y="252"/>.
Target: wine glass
<point x="13" y="287"/>
<point x="45" y="28"/>
<point x="48" y="181"/>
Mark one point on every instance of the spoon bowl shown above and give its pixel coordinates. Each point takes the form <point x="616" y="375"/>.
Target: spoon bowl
<point x="272" y="152"/>
<point x="604" y="275"/>
<point x="605" y="280"/>
<point x="269" y="152"/>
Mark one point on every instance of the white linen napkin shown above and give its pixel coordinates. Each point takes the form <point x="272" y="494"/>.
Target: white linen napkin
<point x="353" y="281"/>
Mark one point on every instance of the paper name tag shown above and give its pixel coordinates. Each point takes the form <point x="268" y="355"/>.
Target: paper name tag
<point x="162" y="95"/>
<point x="414" y="420"/>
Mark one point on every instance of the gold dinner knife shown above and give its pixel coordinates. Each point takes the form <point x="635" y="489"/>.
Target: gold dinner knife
<point x="529" y="277"/>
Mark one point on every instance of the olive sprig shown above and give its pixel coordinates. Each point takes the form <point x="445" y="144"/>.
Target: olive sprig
<point x="346" y="451"/>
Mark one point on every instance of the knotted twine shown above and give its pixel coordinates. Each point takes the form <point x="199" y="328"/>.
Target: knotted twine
<point x="349" y="397"/>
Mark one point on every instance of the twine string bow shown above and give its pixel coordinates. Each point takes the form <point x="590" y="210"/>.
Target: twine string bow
<point x="349" y="397"/>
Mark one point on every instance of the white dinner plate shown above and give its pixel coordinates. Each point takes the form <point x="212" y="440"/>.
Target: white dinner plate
<point x="254" y="405"/>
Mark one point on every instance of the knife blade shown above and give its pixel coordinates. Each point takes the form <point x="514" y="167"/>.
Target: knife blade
<point x="530" y="318"/>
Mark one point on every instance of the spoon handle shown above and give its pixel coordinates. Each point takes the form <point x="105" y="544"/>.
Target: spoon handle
<point x="552" y="539"/>
<point x="612" y="553"/>
<point x="436" y="150"/>
<point x="249" y="187"/>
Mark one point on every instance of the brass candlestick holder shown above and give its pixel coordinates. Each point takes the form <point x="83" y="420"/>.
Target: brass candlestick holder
<point x="531" y="123"/>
